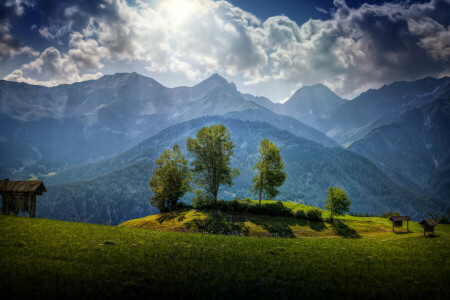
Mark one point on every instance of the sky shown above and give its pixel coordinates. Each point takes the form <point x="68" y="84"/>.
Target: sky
<point x="266" y="47"/>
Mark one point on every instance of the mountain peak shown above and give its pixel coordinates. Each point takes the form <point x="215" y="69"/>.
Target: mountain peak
<point x="310" y="101"/>
<point x="217" y="79"/>
<point x="213" y="82"/>
<point x="318" y="87"/>
<point x="128" y="78"/>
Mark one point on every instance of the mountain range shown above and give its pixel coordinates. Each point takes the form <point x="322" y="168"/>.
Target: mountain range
<point x="40" y="125"/>
<point x="94" y="142"/>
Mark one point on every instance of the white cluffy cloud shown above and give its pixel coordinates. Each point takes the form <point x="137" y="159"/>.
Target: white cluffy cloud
<point x="52" y="65"/>
<point x="353" y="50"/>
<point x="10" y="45"/>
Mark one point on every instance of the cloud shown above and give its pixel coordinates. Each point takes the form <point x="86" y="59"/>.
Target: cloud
<point x="50" y="64"/>
<point x="364" y="47"/>
<point x="355" y="49"/>
<point x="9" y="44"/>
<point x="87" y="53"/>
<point x="320" y="9"/>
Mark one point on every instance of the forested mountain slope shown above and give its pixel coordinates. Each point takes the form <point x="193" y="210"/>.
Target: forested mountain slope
<point x="115" y="189"/>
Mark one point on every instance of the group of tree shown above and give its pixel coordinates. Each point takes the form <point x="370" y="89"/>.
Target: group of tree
<point x="211" y="151"/>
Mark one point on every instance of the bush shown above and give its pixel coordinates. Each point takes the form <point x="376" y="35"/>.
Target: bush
<point x="314" y="214"/>
<point x="300" y="214"/>
<point x="243" y="206"/>
<point x="271" y="209"/>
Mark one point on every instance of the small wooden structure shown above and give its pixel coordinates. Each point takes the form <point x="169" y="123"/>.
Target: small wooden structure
<point x="428" y="225"/>
<point x="20" y="196"/>
<point x="397" y="221"/>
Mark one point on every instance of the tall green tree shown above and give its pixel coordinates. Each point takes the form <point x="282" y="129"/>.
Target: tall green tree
<point x="170" y="179"/>
<point x="212" y="149"/>
<point x="337" y="202"/>
<point x="270" y="170"/>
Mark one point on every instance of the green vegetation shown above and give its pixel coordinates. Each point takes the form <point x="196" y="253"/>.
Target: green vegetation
<point x="337" y="202"/>
<point x="270" y="170"/>
<point x="270" y="219"/>
<point x="53" y="259"/>
<point x="212" y="149"/>
<point x="170" y="180"/>
<point x="390" y="214"/>
<point x="114" y="189"/>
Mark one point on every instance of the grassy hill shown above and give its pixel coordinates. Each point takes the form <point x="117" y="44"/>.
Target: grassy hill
<point x="54" y="259"/>
<point x="245" y="224"/>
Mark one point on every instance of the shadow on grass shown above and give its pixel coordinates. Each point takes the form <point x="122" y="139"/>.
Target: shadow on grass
<point x="402" y="232"/>
<point x="344" y="231"/>
<point x="431" y="236"/>
<point x="283" y="227"/>
<point x="278" y="228"/>
<point x="218" y="223"/>
<point x="317" y="226"/>
<point x="180" y="214"/>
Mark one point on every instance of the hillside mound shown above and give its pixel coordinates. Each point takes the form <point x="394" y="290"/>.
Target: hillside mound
<point x="217" y="221"/>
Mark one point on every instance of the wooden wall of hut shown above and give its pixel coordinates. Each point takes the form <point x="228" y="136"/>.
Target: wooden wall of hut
<point x="12" y="204"/>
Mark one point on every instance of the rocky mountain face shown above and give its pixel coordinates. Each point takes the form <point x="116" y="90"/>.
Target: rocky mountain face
<point x="414" y="145"/>
<point x="375" y="108"/>
<point x="309" y="104"/>
<point x="40" y="125"/>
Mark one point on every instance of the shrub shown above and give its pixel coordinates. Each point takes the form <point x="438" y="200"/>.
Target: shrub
<point x="300" y="214"/>
<point x="243" y="206"/>
<point x="271" y="209"/>
<point x="314" y="214"/>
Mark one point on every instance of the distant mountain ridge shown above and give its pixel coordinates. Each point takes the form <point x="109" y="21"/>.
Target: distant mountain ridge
<point x="41" y="125"/>
<point x="374" y="108"/>
<point x="309" y="104"/>
<point x="416" y="145"/>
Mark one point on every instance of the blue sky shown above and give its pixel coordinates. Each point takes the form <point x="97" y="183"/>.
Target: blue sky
<point x="268" y="48"/>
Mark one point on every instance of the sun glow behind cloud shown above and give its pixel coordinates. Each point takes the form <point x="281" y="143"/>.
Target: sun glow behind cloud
<point x="178" y="11"/>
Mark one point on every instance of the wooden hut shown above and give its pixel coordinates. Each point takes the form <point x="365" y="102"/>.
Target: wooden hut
<point x="428" y="225"/>
<point x="20" y="196"/>
<point x="397" y="221"/>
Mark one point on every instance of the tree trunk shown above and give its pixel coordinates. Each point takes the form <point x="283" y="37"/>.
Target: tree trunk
<point x="260" y="186"/>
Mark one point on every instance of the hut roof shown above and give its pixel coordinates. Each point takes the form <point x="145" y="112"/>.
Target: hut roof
<point x="22" y="186"/>
<point x="400" y="218"/>
<point x="429" y="222"/>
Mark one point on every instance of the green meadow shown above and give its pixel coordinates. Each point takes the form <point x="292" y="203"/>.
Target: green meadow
<point x="53" y="259"/>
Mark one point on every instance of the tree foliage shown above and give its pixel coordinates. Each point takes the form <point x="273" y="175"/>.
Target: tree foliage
<point x="337" y="202"/>
<point x="170" y="180"/>
<point x="211" y="151"/>
<point x="270" y="168"/>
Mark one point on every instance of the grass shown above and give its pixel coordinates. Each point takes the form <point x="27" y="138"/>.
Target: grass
<point x="53" y="259"/>
<point x="213" y="221"/>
